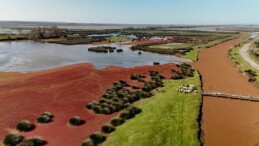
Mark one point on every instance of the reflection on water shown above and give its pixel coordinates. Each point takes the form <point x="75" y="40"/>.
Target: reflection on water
<point x="31" y="56"/>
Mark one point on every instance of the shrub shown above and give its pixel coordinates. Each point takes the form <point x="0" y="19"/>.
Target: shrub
<point x="142" y="76"/>
<point x="156" y="63"/>
<point x="43" y="119"/>
<point x="97" y="138"/>
<point x="25" y="126"/>
<point x="125" y="115"/>
<point x="117" y="122"/>
<point x="153" y="73"/>
<point x="89" y="106"/>
<point x="107" y="129"/>
<point x="47" y="114"/>
<point x="88" y="142"/>
<point x="135" y="87"/>
<point x="141" y="80"/>
<point x="106" y="111"/>
<point x="134" y="110"/>
<point x="133" y="77"/>
<point x="33" y="142"/>
<point x="123" y="82"/>
<point x="97" y="109"/>
<point x="119" y="50"/>
<point x="76" y="121"/>
<point x="12" y="139"/>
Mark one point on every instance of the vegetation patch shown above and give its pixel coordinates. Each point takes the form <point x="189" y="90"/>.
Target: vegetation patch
<point x="76" y="121"/>
<point x="169" y="118"/>
<point x="102" y="49"/>
<point x="118" y="97"/>
<point x="12" y="139"/>
<point x="245" y="67"/>
<point x="33" y="142"/>
<point x="25" y="126"/>
<point x="45" y="117"/>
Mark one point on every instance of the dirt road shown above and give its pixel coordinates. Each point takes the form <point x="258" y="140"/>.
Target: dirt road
<point x="244" y="52"/>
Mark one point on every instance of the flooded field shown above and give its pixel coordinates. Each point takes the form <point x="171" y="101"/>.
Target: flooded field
<point x="31" y="56"/>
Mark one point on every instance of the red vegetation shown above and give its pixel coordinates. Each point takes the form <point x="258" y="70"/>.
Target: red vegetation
<point x="64" y="92"/>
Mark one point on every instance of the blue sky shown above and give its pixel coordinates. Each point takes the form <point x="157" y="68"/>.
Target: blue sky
<point x="133" y="11"/>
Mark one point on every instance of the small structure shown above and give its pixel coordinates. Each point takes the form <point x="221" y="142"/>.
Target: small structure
<point x="189" y="88"/>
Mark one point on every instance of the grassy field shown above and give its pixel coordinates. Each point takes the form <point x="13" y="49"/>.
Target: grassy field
<point x="12" y="37"/>
<point x="237" y="58"/>
<point x="193" y="55"/>
<point x="167" y="119"/>
<point x="115" y="39"/>
<point x="171" y="46"/>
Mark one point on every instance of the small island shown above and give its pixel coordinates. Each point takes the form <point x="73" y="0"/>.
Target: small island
<point x="102" y="49"/>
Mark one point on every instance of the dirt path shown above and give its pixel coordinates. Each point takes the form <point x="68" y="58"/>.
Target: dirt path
<point x="244" y="52"/>
<point x="227" y="122"/>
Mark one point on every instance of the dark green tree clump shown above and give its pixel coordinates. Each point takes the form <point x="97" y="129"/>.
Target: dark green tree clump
<point x="24" y="126"/>
<point x="33" y="142"/>
<point x="97" y="138"/>
<point x="45" y="117"/>
<point x="119" y="97"/>
<point x="88" y="142"/>
<point x="117" y="122"/>
<point x="107" y="129"/>
<point x="76" y="121"/>
<point x="102" y="49"/>
<point x="12" y="139"/>
<point x="186" y="71"/>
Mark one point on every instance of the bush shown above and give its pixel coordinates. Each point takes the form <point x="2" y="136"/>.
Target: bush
<point x="141" y="80"/>
<point x="76" y="121"/>
<point x="133" y="77"/>
<point x="33" y="142"/>
<point x="97" y="138"/>
<point x="123" y="82"/>
<point x="25" y="126"/>
<point x="125" y="115"/>
<point x="134" y="111"/>
<point x="12" y="139"/>
<point x="107" y="129"/>
<point x="47" y="114"/>
<point x="117" y="122"/>
<point x="45" y="117"/>
<point x="97" y="109"/>
<point x="135" y="87"/>
<point x="106" y="111"/>
<point x="89" y="106"/>
<point x="88" y="142"/>
<point x="156" y="63"/>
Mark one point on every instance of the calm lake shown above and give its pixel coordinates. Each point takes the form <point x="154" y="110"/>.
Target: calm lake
<point x="31" y="56"/>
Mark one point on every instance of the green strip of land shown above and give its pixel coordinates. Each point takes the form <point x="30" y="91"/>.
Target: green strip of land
<point x="193" y="55"/>
<point x="167" y="119"/>
<point x="240" y="62"/>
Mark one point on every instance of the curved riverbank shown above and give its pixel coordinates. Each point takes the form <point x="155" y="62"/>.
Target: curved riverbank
<point x="226" y="122"/>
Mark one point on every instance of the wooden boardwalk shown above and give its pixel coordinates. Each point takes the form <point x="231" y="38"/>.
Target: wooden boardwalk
<point x="231" y="96"/>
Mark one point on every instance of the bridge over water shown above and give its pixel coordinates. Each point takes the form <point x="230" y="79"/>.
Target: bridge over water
<point x="232" y="96"/>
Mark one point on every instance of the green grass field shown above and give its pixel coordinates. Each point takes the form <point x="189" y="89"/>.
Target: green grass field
<point x="243" y="65"/>
<point x="115" y="39"/>
<point x="172" y="46"/>
<point x="193" y="55"/>
<point x="167" y="119"/>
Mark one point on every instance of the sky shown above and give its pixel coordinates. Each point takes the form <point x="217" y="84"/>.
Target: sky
<point x="133" y="11"/>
